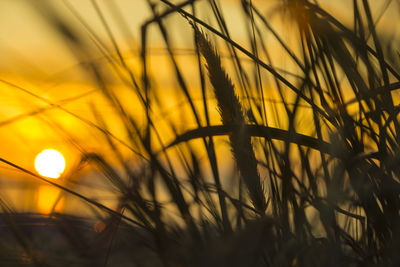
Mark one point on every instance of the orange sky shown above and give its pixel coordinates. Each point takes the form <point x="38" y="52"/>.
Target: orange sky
<point x="33" y="57"/>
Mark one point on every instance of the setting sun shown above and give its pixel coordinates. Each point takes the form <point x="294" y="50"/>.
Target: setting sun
<point x="50" y="163"/>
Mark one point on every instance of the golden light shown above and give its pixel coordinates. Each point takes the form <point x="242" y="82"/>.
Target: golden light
<point x="47" y="199"/>
<point x="50" y="163"/>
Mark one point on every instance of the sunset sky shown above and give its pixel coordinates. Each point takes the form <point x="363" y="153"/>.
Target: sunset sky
<point x="38" y="69"/>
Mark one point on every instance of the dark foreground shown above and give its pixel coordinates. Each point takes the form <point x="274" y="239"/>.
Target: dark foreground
<point x="64" y="240"/>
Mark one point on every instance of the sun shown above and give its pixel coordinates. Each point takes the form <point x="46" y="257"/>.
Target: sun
<point x="50" y="163"/>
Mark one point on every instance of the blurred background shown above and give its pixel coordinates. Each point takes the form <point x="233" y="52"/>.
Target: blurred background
<point x="47" y="99"/>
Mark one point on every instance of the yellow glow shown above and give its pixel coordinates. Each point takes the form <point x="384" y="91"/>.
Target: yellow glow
<point x="50" y="163"/>
<point x="46" y="199"/>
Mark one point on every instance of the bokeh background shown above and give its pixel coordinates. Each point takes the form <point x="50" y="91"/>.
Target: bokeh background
<point x="39" y="74"/>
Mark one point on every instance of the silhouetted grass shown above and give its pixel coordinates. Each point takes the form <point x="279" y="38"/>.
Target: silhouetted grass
<point x="324" y="194"/>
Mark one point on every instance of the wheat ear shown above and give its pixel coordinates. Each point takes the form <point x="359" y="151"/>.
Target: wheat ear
<point x="231" y="113"/>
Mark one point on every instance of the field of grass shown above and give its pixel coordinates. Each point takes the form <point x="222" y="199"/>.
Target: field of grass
<point x="281" y="149"/>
